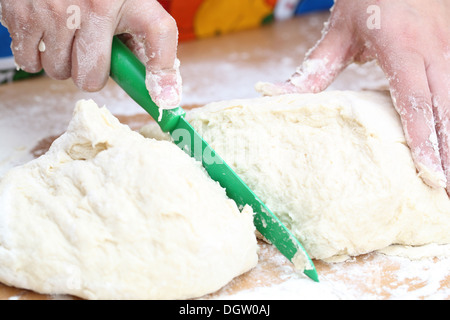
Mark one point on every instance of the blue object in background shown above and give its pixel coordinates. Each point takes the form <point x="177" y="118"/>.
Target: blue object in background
<point x="5" y="43"/>
<point x="307" y="6"/>
<point x="8" y="72"/>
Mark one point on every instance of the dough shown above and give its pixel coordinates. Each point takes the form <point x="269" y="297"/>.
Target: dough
<point x="334" y="167"/>
<point x="108" y="214"/>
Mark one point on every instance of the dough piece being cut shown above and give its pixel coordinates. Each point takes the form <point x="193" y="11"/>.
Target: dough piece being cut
<point x="334" y="167"/>
<point x="108" y="214"/>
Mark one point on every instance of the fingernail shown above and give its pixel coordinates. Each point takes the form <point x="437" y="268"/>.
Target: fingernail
<point x="165" y="86"/>
<point x="169" y="98"/>
<point x="164" y="89"/>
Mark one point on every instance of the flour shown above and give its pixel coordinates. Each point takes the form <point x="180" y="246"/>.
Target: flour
<point x="370" y="277"/>
<point x="42" y="46"/>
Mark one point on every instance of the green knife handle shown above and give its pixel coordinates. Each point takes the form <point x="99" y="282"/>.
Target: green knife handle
<point x="129" y="72"/>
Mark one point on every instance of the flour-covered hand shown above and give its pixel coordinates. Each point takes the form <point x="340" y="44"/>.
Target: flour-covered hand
<point x="412" y="46"/>
<point x="73" y="39"/>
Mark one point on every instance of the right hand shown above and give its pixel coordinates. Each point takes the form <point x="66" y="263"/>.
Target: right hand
<point x="83" y="52"/>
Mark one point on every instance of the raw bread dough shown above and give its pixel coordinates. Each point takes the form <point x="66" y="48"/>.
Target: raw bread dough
<point x="108" y="214"/>
<point x="334" y="167"/>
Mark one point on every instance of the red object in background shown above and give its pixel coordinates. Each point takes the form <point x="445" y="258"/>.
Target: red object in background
<point x="185" y="14"/>
<point x="166" y="4"/>
<point x="271" y="3"/>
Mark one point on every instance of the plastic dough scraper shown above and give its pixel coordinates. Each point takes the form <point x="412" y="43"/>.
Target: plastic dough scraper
<point x="129" y="73"/>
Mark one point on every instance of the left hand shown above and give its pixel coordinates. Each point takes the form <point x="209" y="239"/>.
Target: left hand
<point x="412" y="46"/>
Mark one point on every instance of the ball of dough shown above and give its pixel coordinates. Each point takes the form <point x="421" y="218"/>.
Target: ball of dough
<point x="108" y="214"/>
<point x="334" y="167"/>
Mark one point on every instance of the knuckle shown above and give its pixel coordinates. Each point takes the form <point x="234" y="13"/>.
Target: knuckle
<point x="165" y="26"/>
<point x="17" y="16"/>
<point x="101" y="7"/>
<point x="57" y="10"/>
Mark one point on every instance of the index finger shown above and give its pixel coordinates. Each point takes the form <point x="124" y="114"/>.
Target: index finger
<point x="155" y="40"/>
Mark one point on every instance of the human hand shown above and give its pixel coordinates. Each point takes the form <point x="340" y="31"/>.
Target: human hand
<point x="412" y="46"/>
<point x="73" y="39"/>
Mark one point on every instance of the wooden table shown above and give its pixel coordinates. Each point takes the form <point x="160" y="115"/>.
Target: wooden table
<point x="34" y="112"/>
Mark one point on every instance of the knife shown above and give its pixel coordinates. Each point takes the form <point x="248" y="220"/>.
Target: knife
<point x="129" y="73"/>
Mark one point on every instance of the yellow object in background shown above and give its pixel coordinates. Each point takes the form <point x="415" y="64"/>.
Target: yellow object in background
<point x="224" y="16"/>
<point x="206" y="18"/>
